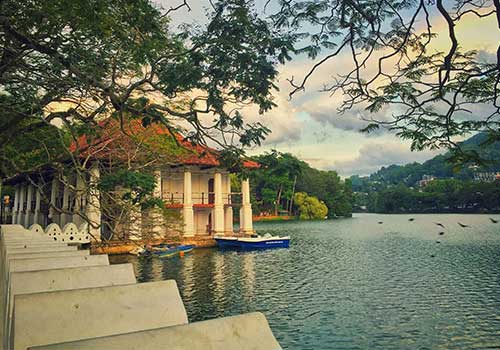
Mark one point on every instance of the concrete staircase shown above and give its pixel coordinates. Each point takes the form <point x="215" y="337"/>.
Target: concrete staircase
<point x="53" y="296"/>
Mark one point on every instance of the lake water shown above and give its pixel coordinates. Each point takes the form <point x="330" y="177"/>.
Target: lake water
<point x="355" y="283"/>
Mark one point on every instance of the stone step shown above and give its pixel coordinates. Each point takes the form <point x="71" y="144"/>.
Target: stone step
<point x="96" y="312"/>
<point x="245" y="332"/>
<point x="65" y="279"/>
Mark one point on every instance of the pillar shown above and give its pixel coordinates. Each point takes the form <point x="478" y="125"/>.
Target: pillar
<point x="246" y="225"/>
<point x="135" y="223"/>
<point x="54" y="192"/>
<point x="228" y="211"/>
<point x="218" y="212"/>
<point x="29" y="199"/>
<point x="65" y="216"/>
<point x="157" y="192"/>
<point x="93" y="208"/>
<point x="22" y="197"/>
<point x="187" y="209"/>
<point x="79" y="199"/>
<point x="15" y="210"/>
<point x="38" y="198"/>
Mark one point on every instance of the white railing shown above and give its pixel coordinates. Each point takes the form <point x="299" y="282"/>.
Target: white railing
<point x="70" y="233"/>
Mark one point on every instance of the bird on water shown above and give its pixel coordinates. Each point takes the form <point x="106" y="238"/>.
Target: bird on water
<point x="441" y="233"/>
<point x="493" y="221"/>
<point x="439" y="224"/>
<point x="463" y="225"/>
<point x="411" y="219"/>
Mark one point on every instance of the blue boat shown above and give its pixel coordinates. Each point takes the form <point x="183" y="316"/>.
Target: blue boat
<point x="168" y="252"/>
<point x="250" y="243"/>
<point x="164" y="250"/>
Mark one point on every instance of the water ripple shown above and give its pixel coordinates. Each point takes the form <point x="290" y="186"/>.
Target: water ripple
<point x="355" y="284"/>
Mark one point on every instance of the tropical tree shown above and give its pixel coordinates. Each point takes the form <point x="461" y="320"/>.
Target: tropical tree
<point x="66" y="65"/>
<point x="396" y="67"/>
<point x="310" y="207"/>
<point x="274" y="182"/>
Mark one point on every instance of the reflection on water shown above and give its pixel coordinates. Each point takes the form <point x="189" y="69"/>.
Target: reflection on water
<point x="354" y="283"/>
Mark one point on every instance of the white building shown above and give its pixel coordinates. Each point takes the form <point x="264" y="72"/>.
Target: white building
<point x="195" y="186"/>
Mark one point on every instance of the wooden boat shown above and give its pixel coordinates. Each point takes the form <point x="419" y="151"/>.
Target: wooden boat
<point x="164" y="250"/>
<point x="168" y="252"/>
<point x="250" y="243"/>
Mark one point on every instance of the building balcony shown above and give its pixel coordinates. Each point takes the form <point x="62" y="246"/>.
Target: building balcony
<point x="201" y="199"/>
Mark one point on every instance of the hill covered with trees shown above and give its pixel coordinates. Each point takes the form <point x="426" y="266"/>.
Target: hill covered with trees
<point x="397" y="188"/>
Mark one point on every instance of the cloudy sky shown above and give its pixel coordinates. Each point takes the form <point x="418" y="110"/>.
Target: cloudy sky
<point x="309" y="125"/>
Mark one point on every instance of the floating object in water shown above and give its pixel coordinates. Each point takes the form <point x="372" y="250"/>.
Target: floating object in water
<point x="168" y="251"/>
<point x="380" y="222"/>
<point x="432" y="255"/>
<point x="248" y="243"/>
<point x="438" y="241"/>
<point x="463" y="225"/>
<point x="163" y="251"/>
<point x="493" y="221"/>
<point x="439" y="224"/>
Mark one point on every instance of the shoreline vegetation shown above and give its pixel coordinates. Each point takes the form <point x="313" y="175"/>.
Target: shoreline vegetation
<point x="285" y="186"/>
<point x="435" y="186"/>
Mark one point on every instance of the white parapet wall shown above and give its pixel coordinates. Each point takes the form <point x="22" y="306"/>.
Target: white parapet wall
<point x="95" y="312"/>
<point x="66" y="279"/>
<point x="52" y="293"/>
<point x="245" y="332"/>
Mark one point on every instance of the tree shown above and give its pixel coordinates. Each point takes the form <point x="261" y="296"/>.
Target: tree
<point x="67" y="65"/>
<point x="310" y="207"/>
<point x="274" y="181"/>
<point x="73" y="62"/>
<point x="396" y="69"/>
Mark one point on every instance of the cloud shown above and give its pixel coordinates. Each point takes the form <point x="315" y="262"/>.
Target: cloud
<point x="374" y="155"/>
<point x="282" y="120"/>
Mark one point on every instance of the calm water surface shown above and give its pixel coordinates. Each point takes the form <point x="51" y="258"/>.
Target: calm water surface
<point x="355" y="283"/>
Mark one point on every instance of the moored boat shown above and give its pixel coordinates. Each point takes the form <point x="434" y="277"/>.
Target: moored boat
<point x="164" y="251"/>
<point x="249" y="243"/>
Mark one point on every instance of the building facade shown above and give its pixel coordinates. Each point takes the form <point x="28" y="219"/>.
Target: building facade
<point x="201" y="195"/>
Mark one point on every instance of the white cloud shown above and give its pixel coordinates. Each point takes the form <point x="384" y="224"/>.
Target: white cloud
<point x="373" y="155"/>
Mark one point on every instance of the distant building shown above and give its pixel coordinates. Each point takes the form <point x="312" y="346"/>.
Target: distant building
<point x="426" y="179"/>
<point x="487" y="176"/>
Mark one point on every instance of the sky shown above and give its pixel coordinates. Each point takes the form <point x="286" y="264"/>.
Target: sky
<point x="309" y="126"/>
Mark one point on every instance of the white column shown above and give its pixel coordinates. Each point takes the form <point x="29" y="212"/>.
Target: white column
<point x="38" y="198"/>
<point x="65" y="217"/>
<point x="187" y="209"/>
<point x="218" y="213"/>
<point x="22" y="197"/>
<point x="228" y="212"/>
<point x="246" y="224"/>
<point x="135" y="223"/>
<point x="79" y="199"/>
<point x="29" y="199"/>
<point x="93" y="209"/>
<point x="53" y="214"/>
<point x="157" y="192"/>
<point x="156" y="216"/>
<point x="15" y="210"/>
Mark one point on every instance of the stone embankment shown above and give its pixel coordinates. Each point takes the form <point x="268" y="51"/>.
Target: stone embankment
<point x="54" y="296"/>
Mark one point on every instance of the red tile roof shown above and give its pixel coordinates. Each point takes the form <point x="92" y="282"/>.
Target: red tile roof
<point x="115" y="140"/>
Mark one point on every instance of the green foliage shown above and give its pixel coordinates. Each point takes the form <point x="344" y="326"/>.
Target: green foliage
<point x="282" y="174"/>
<point x="133" y="186"/>
<point x="310" y="207"/>
<point x="74" y="62"/>
<point x="447" y="195"/>
<point x="428" y="96"/>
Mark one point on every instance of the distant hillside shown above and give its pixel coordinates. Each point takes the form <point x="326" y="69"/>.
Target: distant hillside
<point x="438" y="166"/>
